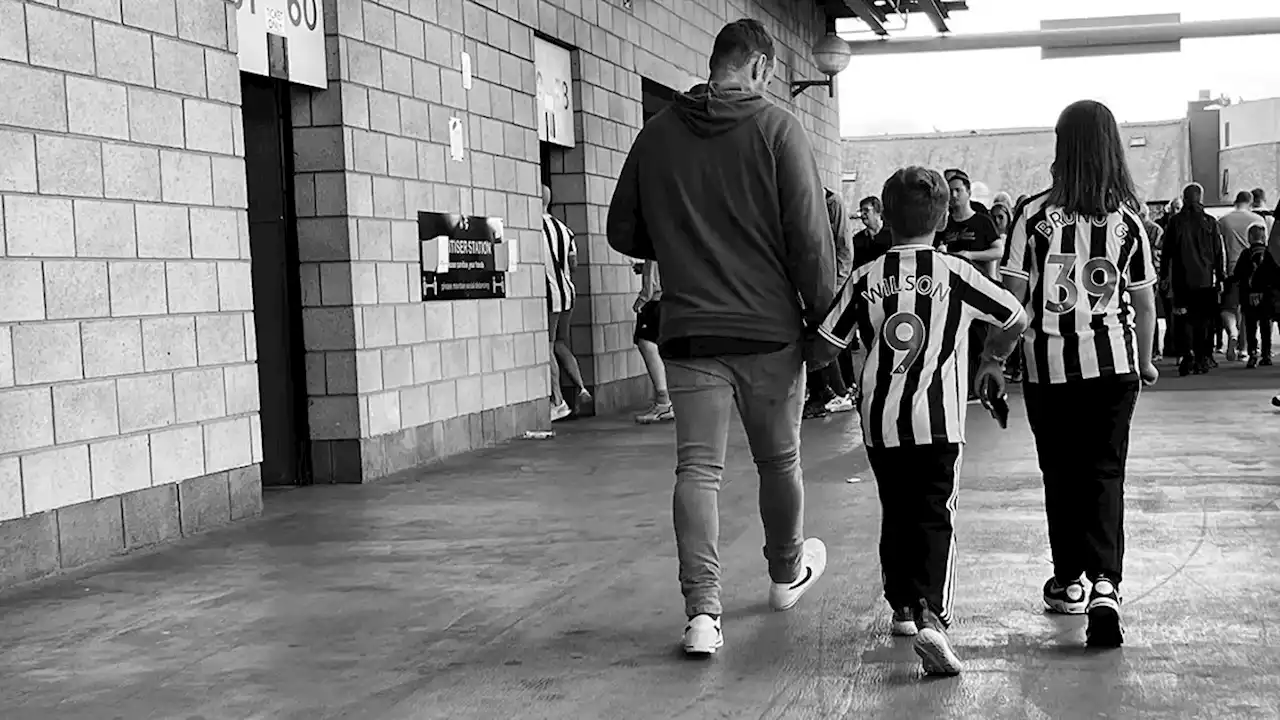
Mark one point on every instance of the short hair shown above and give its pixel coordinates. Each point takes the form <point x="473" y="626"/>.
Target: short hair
<point x="1193" y="194"/>
<point x="1257" y="233"/>
<point x="962" y="177"/>
<point x="738" y="43"/>
<point x="874" y="202"/>
<point x="915" y="201"/>
<point x="1259" y="195"/>
<point x="1243" y="197"/>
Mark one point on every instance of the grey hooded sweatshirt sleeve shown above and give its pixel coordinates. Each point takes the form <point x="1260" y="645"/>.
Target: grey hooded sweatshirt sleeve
<point x="722" y="189"/>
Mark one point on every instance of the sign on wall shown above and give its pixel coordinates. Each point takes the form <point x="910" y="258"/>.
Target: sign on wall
<point x="555" y="93"/>
<point x="284" y="39"/>
<point x="464" y="257"/>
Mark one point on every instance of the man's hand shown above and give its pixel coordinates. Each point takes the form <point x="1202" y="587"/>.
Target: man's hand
<point x="1150" y="375"/>
<point x="1255" y="299"/>
<point x="818" y="352"/>
<point x="639" y="304"/>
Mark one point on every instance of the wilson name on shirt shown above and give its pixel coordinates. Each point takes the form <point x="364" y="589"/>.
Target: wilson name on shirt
<point x="912" y="309"/>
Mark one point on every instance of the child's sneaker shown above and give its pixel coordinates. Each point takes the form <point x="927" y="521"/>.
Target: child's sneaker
<point x="1066" y="599"/>
<point x="1104" y="615"/>
<point x="904" y="623"/>
<point x="702" y="636"/>
<point x="932" y="644"/>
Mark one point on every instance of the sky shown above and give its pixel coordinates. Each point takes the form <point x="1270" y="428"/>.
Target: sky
<point x="986" y="89"/>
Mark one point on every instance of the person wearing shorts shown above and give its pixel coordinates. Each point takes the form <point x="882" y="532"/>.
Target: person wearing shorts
<point x="648" y="309"/>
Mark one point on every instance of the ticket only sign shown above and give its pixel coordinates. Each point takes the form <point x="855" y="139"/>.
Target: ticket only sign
<point x="460" y="258"/>
<point x="283" y="39"/>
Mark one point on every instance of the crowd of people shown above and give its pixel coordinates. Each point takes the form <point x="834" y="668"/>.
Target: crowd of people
<point x="768" y="307"/>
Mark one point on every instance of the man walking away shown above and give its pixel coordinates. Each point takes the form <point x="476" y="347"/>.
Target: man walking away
<point x="722" y="189"/>
<point x="1234" y="227"/>
<point x="560" y="261"/>
<point x="913" y="308"/>
<point x="1193" y="264"/>
<point x="1260" y="207"/>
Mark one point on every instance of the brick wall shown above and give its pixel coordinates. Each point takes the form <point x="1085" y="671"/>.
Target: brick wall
<point x="394" y="382"/>
<point x="1015" y="161"/>
<point x="1249" y="167"/>
<point x="127" y="377"/>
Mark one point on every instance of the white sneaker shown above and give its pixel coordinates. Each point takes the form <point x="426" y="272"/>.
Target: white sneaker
<point x="840" y="404"/>
<point x="657" y="413"/>
<point x="702" y="636"/>
<point x="813" y="562"/>
<point x="560" y="412"/>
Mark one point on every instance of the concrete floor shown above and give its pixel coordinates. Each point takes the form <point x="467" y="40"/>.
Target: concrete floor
<point x="538" y="581"/>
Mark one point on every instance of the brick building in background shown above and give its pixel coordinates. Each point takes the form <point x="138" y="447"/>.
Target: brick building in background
<point x="211" y="280"/>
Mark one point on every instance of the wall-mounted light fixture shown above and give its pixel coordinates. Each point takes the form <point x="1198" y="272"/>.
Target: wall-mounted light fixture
<point x="831" y="55"/>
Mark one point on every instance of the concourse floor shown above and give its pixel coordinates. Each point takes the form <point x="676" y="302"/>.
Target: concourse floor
<point x="539" y="581"/>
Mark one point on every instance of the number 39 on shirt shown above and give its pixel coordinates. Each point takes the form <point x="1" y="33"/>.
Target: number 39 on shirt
<point x="1100" y="280"/>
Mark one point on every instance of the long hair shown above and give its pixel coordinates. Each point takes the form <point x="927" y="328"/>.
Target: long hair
<point x="1090" y="174"/>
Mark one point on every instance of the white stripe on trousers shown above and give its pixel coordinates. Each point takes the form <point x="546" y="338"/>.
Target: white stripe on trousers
<point x="948" y="583"/>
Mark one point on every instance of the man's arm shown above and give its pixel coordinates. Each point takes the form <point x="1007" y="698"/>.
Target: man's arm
<point x="990" y="237"/>
<point x="625" y="227"/>
<point x="806" y="231"/>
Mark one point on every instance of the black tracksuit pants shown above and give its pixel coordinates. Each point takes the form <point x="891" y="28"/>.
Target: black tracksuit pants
<point x="1082" y="439"/>
<point x="917" y="487"/>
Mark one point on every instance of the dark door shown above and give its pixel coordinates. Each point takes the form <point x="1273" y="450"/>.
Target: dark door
<point x="277" y="292"/>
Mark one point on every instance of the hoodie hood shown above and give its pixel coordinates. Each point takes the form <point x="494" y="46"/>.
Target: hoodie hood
<point x="708" y="110"/>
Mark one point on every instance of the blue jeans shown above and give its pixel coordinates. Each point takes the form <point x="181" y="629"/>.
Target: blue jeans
<point x="768" y="391"/>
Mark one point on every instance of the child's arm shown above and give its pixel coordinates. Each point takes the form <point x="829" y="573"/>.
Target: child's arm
<point x="838" y="329"/>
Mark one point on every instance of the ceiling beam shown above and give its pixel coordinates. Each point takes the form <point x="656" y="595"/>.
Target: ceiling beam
<point x="937" y="13"/>
<point x="866" y="14"/>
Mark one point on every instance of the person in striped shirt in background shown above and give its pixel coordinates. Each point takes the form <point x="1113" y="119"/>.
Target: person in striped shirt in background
<point x="913" y="309"/>
<point x="1080" y="257"/>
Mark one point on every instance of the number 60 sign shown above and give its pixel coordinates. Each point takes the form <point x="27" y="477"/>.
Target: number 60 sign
<point x="299" y="22"/>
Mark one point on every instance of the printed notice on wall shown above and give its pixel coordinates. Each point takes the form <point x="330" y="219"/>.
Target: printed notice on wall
<point x="555" y="94"/>
<point x="456" y="139"/>
<point x="299" y="22"/>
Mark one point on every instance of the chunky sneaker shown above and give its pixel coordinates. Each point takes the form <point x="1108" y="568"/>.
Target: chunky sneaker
<point x="657" y="413"/>
<point x="904" y="623"/>
<point x="932" y="645"/>
<point x="1066" y="599"/>
<point x="702" y="635"/>
<point x="1104" y="615"/>
<point x="813" y="562"/>
<point x="1253" y="362"/>
<point x="560" y="412"/>
<point x="814" y="410"/>
<point x="840" y="404"/>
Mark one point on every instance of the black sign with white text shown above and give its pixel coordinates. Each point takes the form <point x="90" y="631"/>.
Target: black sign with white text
<point x="473" y="271"/>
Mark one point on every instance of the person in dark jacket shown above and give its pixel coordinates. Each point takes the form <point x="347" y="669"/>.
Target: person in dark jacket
<point x="722" y="189"/>
<point x="1194" y="265"/>
<point x="874" y="239"/>
<point x="1258" y="276"/>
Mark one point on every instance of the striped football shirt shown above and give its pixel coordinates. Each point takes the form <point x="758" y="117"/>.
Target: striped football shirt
<point x="1079" y="272"/>
<point x="912" y="308"/>
<point x="560" y="245"/>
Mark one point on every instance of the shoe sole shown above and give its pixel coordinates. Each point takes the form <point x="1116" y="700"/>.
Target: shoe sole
<point x="936" y="654"/>
<point x="818" y="569"/>
<point x="703" y="650"/>
<point x="1104" y="629"/>
<point x="1065" y="607"/>
<point x="904" y="629"/>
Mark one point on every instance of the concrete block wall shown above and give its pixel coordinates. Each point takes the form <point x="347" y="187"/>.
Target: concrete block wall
<point x="394" y="382"/>
<point x="669" y="42"/>
<point x="128" y="390"/>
